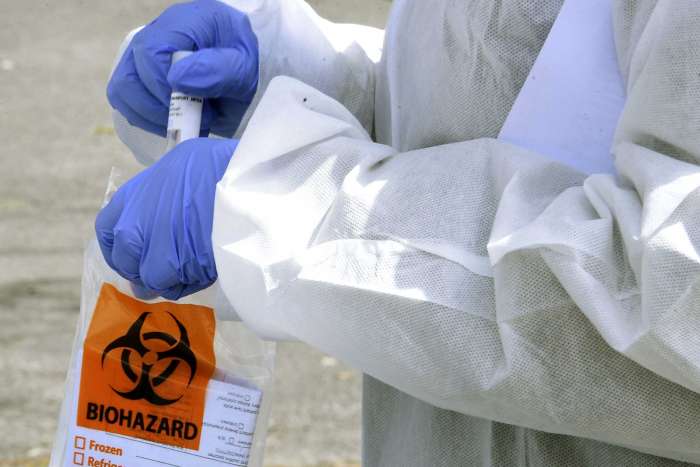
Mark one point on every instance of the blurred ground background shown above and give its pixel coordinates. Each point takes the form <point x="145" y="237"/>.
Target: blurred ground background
<point x="56" y="149"/>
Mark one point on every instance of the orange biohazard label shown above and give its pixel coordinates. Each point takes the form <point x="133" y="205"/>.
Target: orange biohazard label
<point x="145" y="369"/>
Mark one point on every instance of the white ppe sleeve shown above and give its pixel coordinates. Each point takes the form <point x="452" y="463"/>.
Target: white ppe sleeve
<point x="480" y="277"/>
<point x="337" y="59"/>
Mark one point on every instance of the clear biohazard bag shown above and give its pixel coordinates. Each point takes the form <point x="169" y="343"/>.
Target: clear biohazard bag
<point x="161" y="383"/>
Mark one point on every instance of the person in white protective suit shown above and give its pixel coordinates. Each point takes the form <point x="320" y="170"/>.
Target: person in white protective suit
<point x="507" y="310"/>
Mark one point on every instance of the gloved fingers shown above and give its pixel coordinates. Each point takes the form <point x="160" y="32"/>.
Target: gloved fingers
<point x="222" y="153"/>
<point x="228" y="114"/>
<point x="156" y="231"/>
<point x="157" y="271"/>
<point x="173" y="293"/>
<point x="225" y="65"/>
<point x="133" y="117"/>
<point x="199" y="271"/>
<point x="106" y="219"/>
<point x="152" y="50"/>
<point x="208" y="117"/>
<point x="182" y="290"/>
<point x="126" y="86"/>
<point x="172" y="281"/>
<point x="152" y="62"/>
<point x="142" y="292"/>
<point x="127" y="253"/>
<point x="120" y="93"/>
<point x="217" y="72"/>
<point x="134" y="101"/>
<point x="183" y="26"/>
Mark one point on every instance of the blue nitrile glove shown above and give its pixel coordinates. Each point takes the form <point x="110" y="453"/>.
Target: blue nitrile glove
<point x="156" y="230"/>
<point x="223" y="69"/>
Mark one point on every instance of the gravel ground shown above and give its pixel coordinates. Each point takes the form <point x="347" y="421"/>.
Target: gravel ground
<point x="57" y="149"/>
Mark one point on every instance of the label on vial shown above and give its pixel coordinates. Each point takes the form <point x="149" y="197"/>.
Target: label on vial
<point x="184" y="117"/>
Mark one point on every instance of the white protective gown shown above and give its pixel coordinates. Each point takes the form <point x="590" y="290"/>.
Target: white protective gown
<point x="507" y="310"/>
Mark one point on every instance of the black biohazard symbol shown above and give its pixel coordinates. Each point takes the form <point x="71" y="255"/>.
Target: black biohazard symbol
<point x="145" y="383"/>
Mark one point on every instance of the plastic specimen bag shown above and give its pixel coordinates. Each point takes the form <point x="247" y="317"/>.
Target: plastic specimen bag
<point x="161" y="383"/>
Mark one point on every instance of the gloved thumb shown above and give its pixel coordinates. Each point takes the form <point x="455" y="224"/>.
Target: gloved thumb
<point x="217" y="72"/>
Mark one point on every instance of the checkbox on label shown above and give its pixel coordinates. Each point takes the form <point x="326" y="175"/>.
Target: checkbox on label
<point x="79" y="442"/>
<point x="78" y="458"/>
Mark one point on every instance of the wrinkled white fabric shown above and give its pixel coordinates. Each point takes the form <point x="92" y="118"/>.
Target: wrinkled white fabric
<point x="337" y="59"/>
<point x="467" y="277"/>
